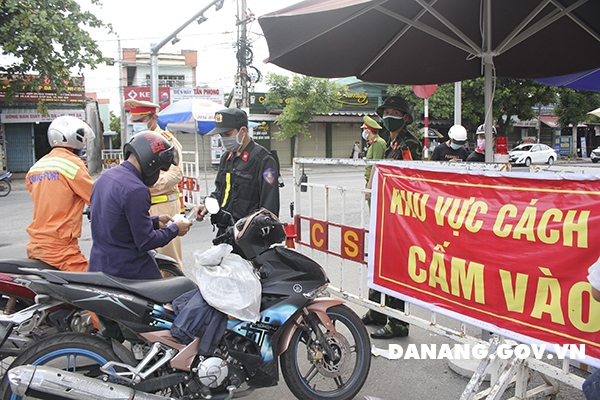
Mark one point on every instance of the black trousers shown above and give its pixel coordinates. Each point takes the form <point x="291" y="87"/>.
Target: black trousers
<point x="390" y="301"/>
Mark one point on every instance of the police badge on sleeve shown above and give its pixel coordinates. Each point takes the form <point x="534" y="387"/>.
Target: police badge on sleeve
<point x="269" y="175"/>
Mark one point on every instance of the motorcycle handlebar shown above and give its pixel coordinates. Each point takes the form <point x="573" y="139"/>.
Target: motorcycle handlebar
<point x="226" y="237"/>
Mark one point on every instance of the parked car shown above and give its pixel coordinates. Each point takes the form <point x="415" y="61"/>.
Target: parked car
<point x="595" y="156"/>
<point x="532" y="153"/>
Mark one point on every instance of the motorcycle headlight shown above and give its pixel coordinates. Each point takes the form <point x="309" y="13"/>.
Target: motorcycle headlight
<point x="313" y="294"/>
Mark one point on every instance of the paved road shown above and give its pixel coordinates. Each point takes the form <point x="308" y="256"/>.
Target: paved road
<point x="388" y="379"/>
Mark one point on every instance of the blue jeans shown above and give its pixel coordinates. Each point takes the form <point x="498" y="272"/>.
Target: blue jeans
<point x="591" y="386"/>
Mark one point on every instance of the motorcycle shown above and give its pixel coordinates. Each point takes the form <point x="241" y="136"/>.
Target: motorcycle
<point x="320" y="344"/>
<point x="23" y="320"/>
<point x="5" y="184"/>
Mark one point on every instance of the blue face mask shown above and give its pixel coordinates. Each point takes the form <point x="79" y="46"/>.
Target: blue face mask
<point x="139" y="126"/>
<point x="455" y="146"/>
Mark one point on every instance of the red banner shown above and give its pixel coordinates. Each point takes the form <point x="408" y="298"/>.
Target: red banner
<point x="508" y="253"/>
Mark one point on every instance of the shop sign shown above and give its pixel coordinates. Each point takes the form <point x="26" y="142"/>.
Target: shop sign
<point x="562" y="145"/>
<point x="142" y="93"/>
<point x="212" y="94"/>
<point x="73" y="94"/>
<point x="14" y="116"/>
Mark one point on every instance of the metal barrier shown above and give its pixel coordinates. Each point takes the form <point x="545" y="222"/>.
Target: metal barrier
<point x="189" y="185"/>
<point x="111" y="158"/>
<point x="345" y="208"/>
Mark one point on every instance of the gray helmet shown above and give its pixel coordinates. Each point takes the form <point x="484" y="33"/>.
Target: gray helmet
<point x="153" y="152"/>
<point x="397" y="103"/>
<point x="69" y="132"/>
<point x="481" y="130"/>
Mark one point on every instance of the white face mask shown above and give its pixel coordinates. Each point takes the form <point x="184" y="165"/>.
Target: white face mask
<point x="139" y="126"/>
<point x="365" y="134"/>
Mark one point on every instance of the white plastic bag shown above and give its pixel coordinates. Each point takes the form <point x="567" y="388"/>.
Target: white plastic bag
<point x="227" y="282"/>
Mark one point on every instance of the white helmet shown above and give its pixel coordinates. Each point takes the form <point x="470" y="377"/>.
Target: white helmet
<point x="481" y="130"/>
<point x="458" y="134"/>
<point x="70" y="132"/>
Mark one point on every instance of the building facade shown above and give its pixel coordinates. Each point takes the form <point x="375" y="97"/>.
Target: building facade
<point x="23" y="129"/>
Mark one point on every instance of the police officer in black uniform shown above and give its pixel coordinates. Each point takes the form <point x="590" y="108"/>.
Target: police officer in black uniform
<point x="247" y="179"/>
<point x="396" y="115"/>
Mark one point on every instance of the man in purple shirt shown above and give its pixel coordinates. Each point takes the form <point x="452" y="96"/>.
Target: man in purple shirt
<point x="123" y="232"/>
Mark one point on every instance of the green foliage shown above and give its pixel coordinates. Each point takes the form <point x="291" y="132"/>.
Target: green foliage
<point x="49" y="38"/>
<point x="300" y="98"/>
<point x="518" y="97"/>
<point x="115" y="126"/>
<point x="513" y="97"/>
<point x="442" y="101"/>
<point x="574" y="106"/>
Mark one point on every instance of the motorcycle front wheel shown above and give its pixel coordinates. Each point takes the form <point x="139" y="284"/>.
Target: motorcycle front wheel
<point x="5" y="188"/>
<point x="75" y="352"/>
<point x="311" y="374"/>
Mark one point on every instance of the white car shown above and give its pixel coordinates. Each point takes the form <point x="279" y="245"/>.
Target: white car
<point x="532" y="153"/>
<point x="595" y="156"/>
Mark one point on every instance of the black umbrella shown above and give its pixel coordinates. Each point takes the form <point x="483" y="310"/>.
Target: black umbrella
<point x="435" y="41"/>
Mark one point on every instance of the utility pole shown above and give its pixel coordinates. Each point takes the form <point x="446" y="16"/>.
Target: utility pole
<point x="123" y="120"/>
<point x="155" y="48"/>
<point x="244" y="57"/>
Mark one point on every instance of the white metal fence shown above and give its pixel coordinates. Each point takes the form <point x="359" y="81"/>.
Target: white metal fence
<point x="111" y="158"/>
<point x="346" y="206"/>
<point x="191" y="183"/>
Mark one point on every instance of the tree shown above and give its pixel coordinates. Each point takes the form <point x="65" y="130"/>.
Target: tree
<point x="49" y="38"/>
<point x="115" y="126"/>
<point x="442" y="101"/>
<point x="574" y="105"/>
<point x="519" y="98"/>
<point x="512" y="97"/>
<point x="300" y="98"/>
<point x="573" y="108"/>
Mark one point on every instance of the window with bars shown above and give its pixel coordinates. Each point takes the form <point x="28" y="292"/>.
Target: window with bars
<point x="173" y="81"/>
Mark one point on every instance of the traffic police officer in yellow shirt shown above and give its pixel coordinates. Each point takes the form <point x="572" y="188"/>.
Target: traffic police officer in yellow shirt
<point x="165" y="196"/>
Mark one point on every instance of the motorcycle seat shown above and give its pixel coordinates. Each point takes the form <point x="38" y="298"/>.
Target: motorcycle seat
<point x="158" y="290"/>
<point x="15" y="266"/>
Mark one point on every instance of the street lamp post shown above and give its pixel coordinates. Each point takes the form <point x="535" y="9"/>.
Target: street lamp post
<point x="156" y="48"/>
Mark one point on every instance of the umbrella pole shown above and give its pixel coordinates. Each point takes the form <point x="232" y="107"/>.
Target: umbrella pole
<point x="197" y="169"/>
<point x="204" y="162"/>
<point x="488" y="61"/>
<point x="489" y="144"/>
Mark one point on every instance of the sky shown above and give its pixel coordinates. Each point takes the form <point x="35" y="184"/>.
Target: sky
<point x="141" y="24"/>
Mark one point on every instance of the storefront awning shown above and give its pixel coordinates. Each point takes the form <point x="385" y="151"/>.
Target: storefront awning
<point x="548" y="120"/>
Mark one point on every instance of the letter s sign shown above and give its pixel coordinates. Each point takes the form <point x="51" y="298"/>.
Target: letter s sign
<point x="353" y="244"/>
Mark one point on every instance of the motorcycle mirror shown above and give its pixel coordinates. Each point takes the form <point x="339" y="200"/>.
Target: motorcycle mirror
<point x="212" y="205"/>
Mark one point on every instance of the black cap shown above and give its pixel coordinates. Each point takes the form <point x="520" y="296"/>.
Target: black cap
<point x="398" y="103"/>
<point x="228" y="119"/>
